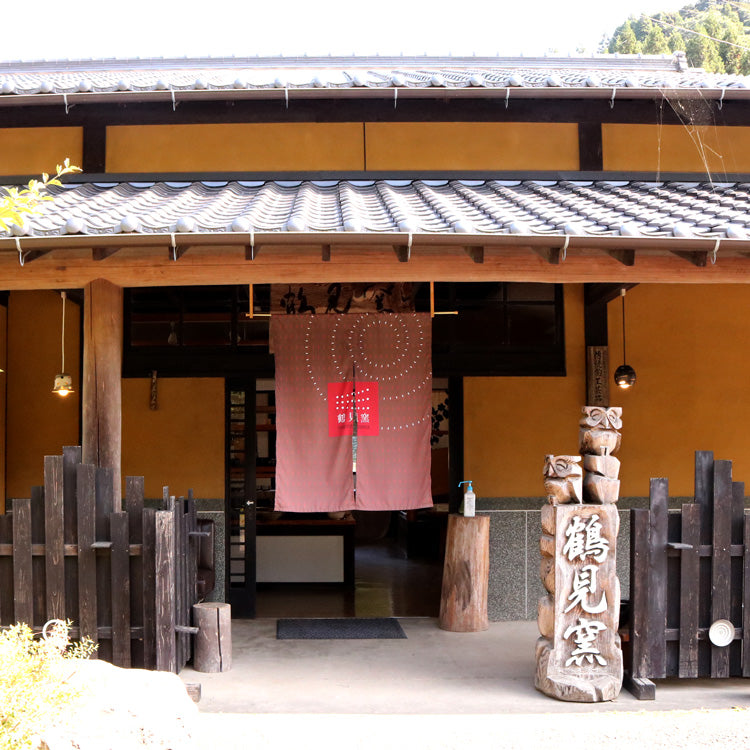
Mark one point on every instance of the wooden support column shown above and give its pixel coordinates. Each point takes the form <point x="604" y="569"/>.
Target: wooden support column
<point x="102" y="373"/>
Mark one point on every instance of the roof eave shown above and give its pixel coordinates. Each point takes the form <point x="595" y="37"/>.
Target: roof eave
<point x="613" y="94"/>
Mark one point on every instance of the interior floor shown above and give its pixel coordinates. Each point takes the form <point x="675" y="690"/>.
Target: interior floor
<point x="387" y="584"/>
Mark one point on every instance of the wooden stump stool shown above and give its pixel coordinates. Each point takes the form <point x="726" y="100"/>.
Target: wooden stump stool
<point x="463" y="602"/>
<point x="213" y="642"/>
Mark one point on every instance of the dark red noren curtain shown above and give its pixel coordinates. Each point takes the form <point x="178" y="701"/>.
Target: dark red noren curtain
<point x="333" y="371"/>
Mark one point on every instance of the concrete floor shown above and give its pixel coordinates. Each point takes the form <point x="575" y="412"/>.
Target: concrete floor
<point x="431" y="672"/>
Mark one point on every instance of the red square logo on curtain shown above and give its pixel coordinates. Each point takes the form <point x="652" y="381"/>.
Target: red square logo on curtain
<point x="340" y="409"/>
<point x="368" y="414"/>
<point x="342" y="406"/>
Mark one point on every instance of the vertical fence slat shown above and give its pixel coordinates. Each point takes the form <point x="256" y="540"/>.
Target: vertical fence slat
<point x="22" y="578"/>
<point x="177" y="516"/>
<point x="166" y="657"/>
<point x="120" y="589"/>
<point x="192" y="556"/>
<point x="53" y="533"/>
<point x="134" y="507"/>
<point x="657" y="624"/>
<point x="704" y="487"/>
<point x="746" y="608"/>
<point x="6" y="571"/>
<point x="149" y="588"/>
<point x="38" y="563"/>
<point x="736" y="604"/>
<point x="103" y="508"/>
<point x="721" y="561"/>
<point x="71" y="460"/>
<point x="87" y="609"/>
<point x="689" y="572"/>
<point x="639" y="594"/>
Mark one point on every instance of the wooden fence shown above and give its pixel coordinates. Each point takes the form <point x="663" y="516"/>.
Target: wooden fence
<point x="125" y="578"/>
<point x="690" y="569"/>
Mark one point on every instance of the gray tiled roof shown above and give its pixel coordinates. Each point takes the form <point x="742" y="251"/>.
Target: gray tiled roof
<point x="237" y="77"/>
<point x="525" y="208"/>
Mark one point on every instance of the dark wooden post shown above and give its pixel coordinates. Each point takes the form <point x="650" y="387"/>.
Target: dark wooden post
<point x="102" y="372"/>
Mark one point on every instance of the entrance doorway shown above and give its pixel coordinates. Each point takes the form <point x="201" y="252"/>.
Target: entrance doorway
<point x="367" y="564"/>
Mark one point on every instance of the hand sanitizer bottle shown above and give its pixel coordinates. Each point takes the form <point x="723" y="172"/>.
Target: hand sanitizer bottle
<point x="468" y="506"/>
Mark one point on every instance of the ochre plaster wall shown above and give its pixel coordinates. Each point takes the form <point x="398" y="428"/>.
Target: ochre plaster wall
<point x="39" y="423"/>
<point x="675" y="148"/>
<point x="31" y="151"/>
<point x="511" y="423"/>
<point x="689" y="347"/>
<point x="235" y="147"/>
<point x="180" y="444"/>
<point x="342" y="146"/>
<point x="471" y="145"/>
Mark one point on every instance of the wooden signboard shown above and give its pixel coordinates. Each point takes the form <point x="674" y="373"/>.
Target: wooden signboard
<point x="579" y="656"/>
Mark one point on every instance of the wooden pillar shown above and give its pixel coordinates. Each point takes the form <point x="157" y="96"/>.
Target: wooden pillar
<point x="3" y="393"/>
<point x="102" y="374"/>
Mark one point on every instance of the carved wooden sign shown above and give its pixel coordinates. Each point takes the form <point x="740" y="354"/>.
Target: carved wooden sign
<point x="597" y="375"/>
<point x="579" y="657"/>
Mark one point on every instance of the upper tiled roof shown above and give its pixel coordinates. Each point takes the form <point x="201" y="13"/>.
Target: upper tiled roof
<point x="601" y="209"/>
<point x="634" y="75"/>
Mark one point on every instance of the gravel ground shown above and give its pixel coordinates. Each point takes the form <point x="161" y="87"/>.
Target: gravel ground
<point x="728" y="729"/>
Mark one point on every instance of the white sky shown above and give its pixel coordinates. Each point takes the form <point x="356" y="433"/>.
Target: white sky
<point x="79" y="29"/>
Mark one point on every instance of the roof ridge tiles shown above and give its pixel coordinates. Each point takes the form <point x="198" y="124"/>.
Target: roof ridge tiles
<point x="673" y="62"/>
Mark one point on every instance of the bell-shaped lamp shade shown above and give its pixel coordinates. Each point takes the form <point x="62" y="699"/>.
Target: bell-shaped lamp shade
<point x="63" y="384"/>
<point x="625" y="376"/>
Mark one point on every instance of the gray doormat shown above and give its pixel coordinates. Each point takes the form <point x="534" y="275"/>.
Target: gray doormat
<point x="335" y="628"/>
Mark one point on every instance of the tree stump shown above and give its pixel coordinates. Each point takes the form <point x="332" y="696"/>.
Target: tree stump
<point x="463" y="602"/>
<point x="213" y="642"/>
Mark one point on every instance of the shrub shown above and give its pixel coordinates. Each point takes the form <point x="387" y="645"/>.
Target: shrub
<point x="34" y="691"/>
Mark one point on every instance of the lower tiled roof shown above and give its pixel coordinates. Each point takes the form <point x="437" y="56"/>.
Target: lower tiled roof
<point x="599" y="208"/>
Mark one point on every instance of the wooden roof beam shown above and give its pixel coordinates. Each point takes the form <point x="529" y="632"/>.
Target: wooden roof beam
<point x="550" y="254"/>
<point x="326" y="253"/>
<point x="626" y="257"/>
<point x="698" y="258"/>
<point x="476" y="253"/>
<point x="28" y="256"/>
<point x="403" y="253"/>
<point x="102" y="253"/>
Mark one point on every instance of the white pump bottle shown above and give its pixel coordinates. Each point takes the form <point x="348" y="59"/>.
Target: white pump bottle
<point x="468" y="506"/>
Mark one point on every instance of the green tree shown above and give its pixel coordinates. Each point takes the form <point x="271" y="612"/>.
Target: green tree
<point x="19" y="203"/>
<point x="703" y="53"/>
<point x="625" y="42"/>
<point x="714" y="34"/>
<point x="656" y="43"/>
<point x="676" y="42"/>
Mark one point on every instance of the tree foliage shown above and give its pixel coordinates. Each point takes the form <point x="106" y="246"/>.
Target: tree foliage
<point x="18" y="203"/>
<point x="718" y="26"/>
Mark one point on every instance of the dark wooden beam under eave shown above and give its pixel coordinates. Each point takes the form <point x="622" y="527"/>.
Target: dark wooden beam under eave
<point x="102" y="253"/>
<point x="326" y="253"/>
<point x="476" y="253"/>
<point x="403" y="253"/>
<point x="590" y="147"/>
<point x="626" y="257"/>
<point x="698" y="258"/>
<point x="551" y="254"/>
<point x="94" y="148"/>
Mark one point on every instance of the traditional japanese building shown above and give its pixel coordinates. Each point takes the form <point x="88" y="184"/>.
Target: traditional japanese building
<point x="524" y="194"/>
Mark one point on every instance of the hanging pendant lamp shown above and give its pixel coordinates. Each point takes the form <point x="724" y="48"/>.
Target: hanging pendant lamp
<point x="63" y="382"/>
<point x="624" y="374"/>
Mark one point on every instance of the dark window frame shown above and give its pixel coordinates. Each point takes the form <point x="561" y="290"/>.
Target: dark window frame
<point x="452" y="356"/>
